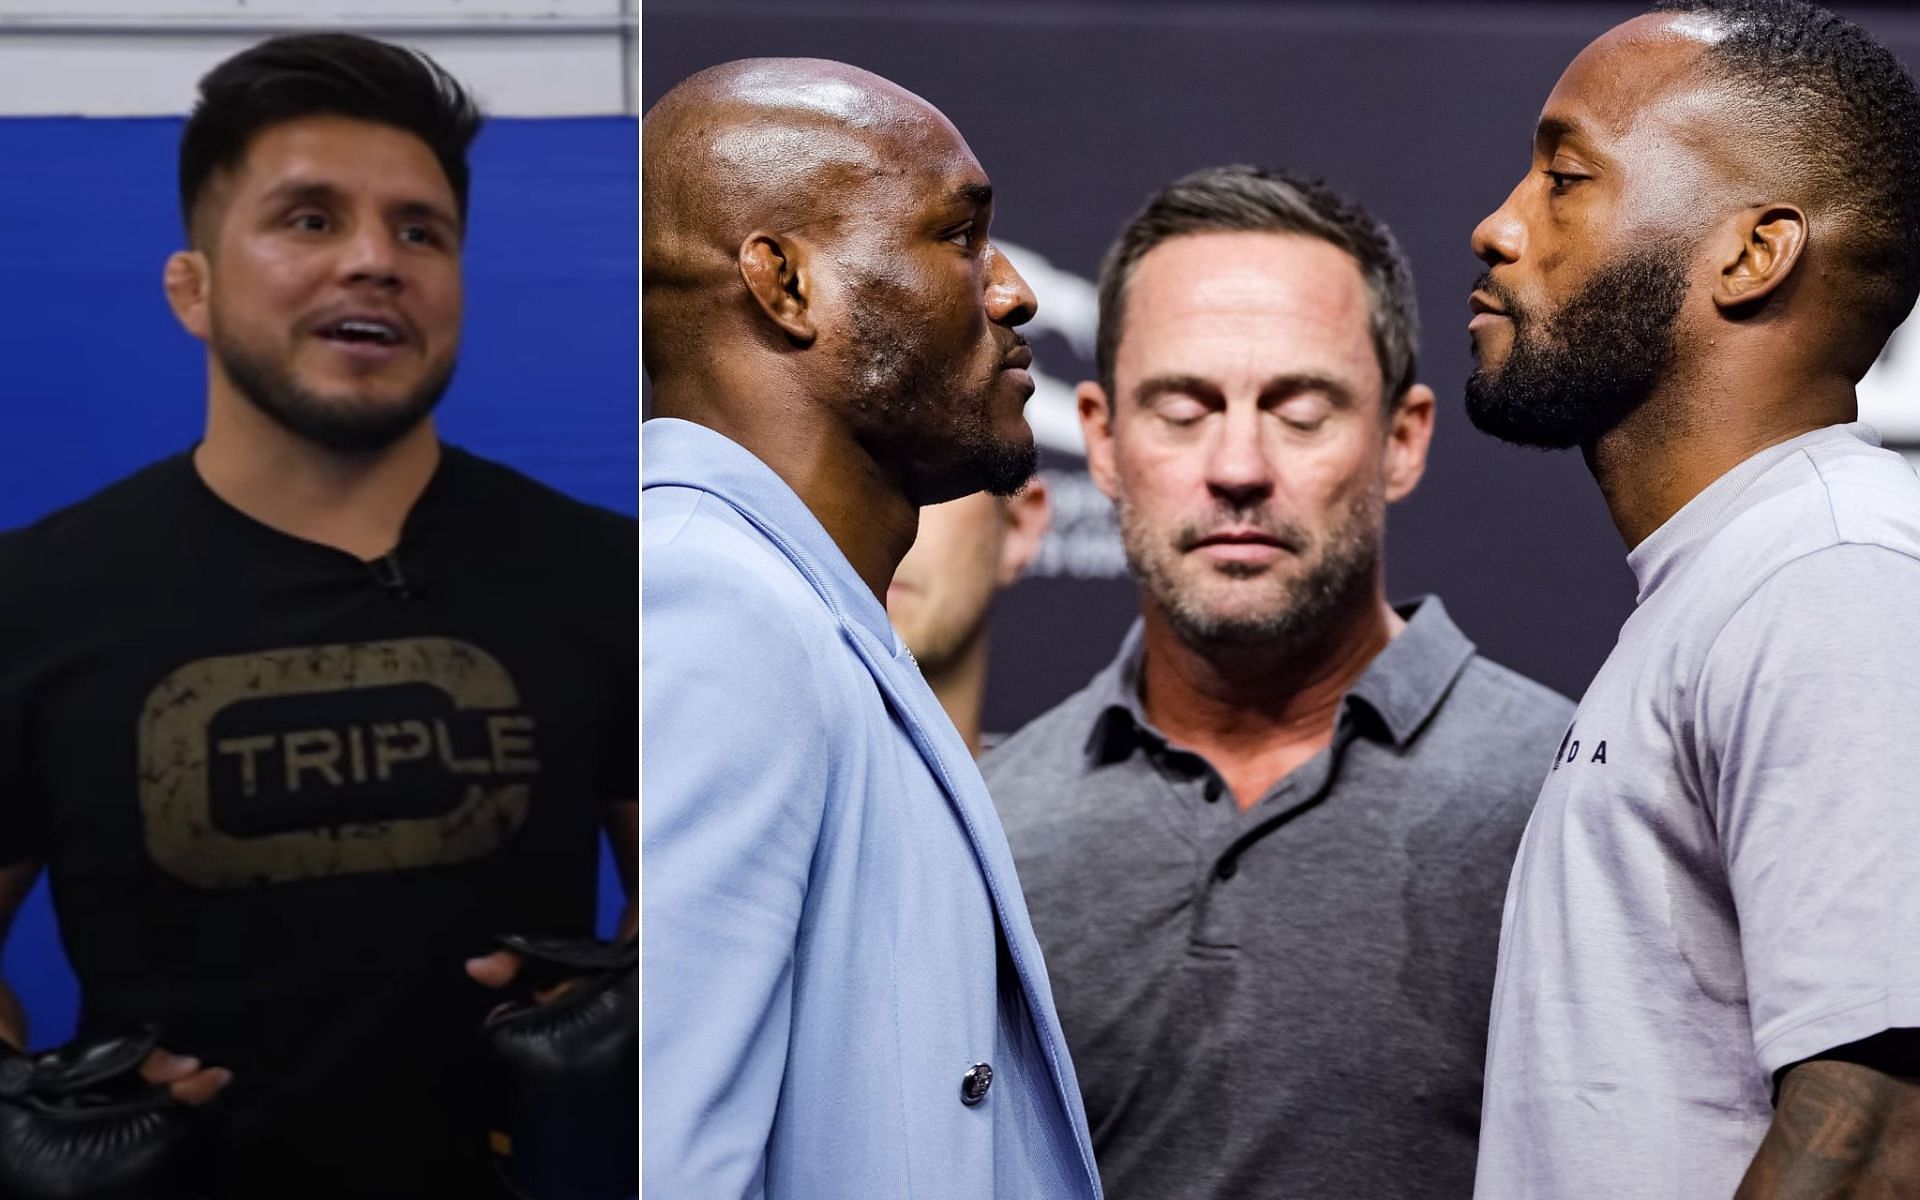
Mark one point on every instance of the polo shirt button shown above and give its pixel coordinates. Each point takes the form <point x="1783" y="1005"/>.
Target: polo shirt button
<point x="1213" y="789"/>
<point x="974" y="1084"/>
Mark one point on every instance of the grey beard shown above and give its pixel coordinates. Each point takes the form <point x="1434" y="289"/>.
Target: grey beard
<point x="1311" y="606"/>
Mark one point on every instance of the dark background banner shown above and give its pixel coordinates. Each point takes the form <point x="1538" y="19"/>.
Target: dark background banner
<point x="99" y="380"/>
<point x="1424" y="112"/>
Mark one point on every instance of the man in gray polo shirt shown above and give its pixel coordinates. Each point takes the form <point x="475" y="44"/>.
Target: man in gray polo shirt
<point x="1709" y="975"/>
<point x="1264" y="850"/>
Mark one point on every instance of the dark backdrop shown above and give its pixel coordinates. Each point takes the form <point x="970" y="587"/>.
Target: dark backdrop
<point x="1423" y="111"/>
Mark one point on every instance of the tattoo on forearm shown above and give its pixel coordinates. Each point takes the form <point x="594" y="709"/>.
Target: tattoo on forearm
<point x="1840" y="1130"/>
<point x="1831" y="1114"/>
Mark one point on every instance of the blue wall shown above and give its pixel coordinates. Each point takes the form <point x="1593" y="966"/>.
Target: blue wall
<point x="96" y="379"/>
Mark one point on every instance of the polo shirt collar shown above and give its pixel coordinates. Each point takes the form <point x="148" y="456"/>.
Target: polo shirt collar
<point x="1402" y="686"/>
<point x="1406" y="682"/>
<point x="1119" y="720"/>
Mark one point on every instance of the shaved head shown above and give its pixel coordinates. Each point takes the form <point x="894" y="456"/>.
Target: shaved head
<point x="812" y="228"/>
<point x="775" y="142"/>
<point x="1834" y="121"/>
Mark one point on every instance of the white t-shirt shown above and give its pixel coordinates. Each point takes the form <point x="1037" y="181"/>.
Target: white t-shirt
<point x="1722" y="876"/>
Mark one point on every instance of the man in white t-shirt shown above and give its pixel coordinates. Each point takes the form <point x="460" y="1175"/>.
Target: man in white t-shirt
<point x="1709" y="979"/>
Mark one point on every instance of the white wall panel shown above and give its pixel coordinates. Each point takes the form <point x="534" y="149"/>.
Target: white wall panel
<point x="143" y="57"/>
<point x="141" y="10"/>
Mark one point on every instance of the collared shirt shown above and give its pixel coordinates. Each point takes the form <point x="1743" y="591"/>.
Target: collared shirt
<point x="1289" y="1000"/>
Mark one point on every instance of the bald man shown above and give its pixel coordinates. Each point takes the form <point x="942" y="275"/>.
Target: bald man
<point x="1709" y="979"/>
<point x="843" y="994"/>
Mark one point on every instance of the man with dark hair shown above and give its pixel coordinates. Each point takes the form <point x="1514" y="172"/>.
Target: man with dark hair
<point x="1265" y="848"/>
<point x="300" y="721"/>
<point x="1710" y="962"/>
<point x="843" y="994"/>
<point x="340" y="73"/>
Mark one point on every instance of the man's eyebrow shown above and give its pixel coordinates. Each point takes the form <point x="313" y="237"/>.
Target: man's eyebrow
<point x="979" y="195"/>
<point x="1186" y="385"/>
<point x="316" y="191"/>
<point x="430" y="211"/>
<point x="1296" y="382"/>
<point x="1277" y="387"/>
<point x="1553" y="129"/>
<point x="302" y="189"/>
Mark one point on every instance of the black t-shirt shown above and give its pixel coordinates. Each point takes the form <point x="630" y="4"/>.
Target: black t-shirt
<point x="283" y="794"/>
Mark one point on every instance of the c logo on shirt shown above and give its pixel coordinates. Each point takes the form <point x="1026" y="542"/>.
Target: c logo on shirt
<point x="330" y="760"/>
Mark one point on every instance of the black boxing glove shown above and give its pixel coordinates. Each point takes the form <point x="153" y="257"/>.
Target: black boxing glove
<point x="80" y="1121"/>
<point x="563" y="1086"/>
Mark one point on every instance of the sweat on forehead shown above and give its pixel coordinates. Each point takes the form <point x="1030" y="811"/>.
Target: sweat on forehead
<point x="1627" y="74"/>
<point x="1644" y="104"/>
<point x="782" y="142"/>
<point x="836" y="91"/>
<point x="1794" y="103"/>
<point x="799" y="93"/>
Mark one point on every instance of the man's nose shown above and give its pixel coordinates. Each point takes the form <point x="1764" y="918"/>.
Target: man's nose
<point x="1010" y="301"/>
<point x="370" y="256"/>
<point x="1238" y="470"/>
<point x="1500" y="237"/>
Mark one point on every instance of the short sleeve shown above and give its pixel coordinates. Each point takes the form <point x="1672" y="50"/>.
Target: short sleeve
<point x="735" y="772"/>
<point x="1809" y="700"/>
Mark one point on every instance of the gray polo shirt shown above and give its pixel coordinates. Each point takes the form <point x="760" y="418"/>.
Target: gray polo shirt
<point x="1292" y="1000"/>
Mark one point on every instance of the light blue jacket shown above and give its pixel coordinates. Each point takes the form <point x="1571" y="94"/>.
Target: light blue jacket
<point x="832" y="932"/>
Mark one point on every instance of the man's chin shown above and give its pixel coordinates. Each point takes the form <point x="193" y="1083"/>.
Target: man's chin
<point x="1228" y="627"/>
<point x="998" y="469"/>
<point x="348" y="424"/>
<point x="1233" y="597"/>
<point x="1516" y="420"/>
<point x="1006" y="466"/>
<point x="351" y="415"/>
<point x="371" y="393"/>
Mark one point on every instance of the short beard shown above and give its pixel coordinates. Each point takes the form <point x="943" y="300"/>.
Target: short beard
<point x="1577" y="373"/>
<point x="920" y="410"/>
<point x="1310" y="607"/>
<point x="344" y="427"/>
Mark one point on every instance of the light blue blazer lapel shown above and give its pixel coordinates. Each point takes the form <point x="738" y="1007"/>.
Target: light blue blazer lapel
<point x="679" y="453"/>
<point x="940" y="746"/>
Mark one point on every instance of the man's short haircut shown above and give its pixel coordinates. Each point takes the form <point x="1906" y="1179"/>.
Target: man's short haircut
<point x="323" y="74"/>
<point x="1844" y="119"/>
<point x="1246" y="199"/>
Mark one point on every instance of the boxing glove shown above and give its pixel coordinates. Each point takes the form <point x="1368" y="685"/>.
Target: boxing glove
<point x="564" y="1075"/>
<point x="80" y="1121"/>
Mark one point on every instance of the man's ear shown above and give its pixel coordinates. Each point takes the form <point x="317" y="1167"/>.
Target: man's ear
<point x="1096" y="425"/>
<point x="188" y="281"/>
<point x="1027" y="516"/>
<point x="775" y="269"/>
<point x="1409" y="433"/>
<point x="1766" y="246"/>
